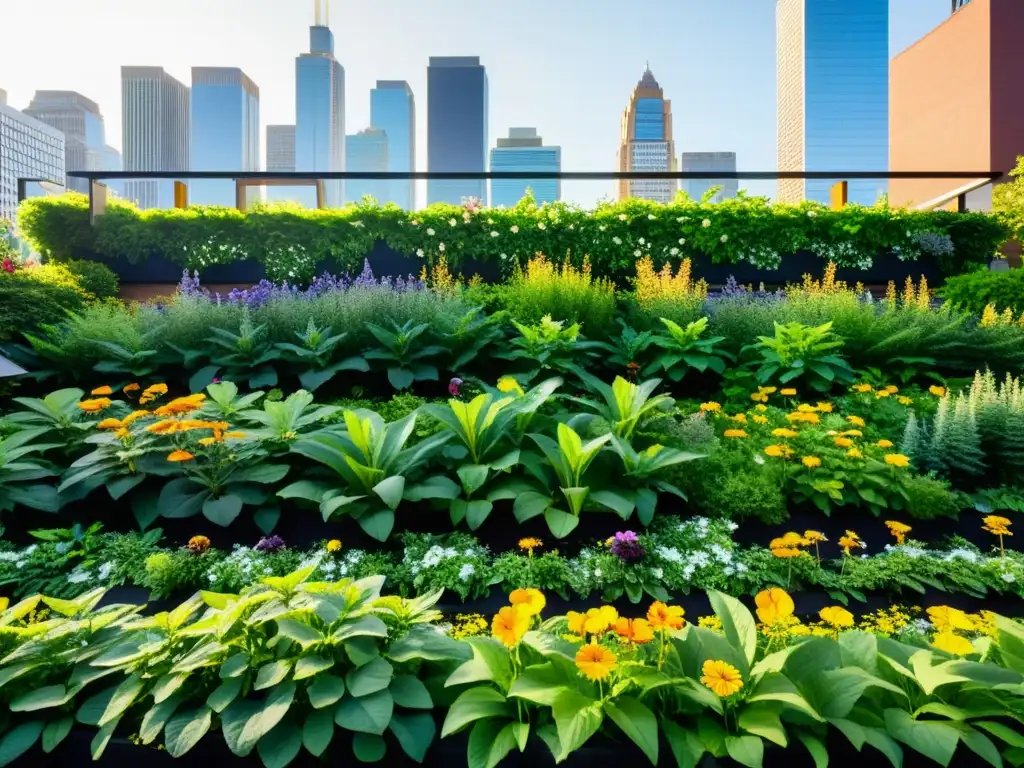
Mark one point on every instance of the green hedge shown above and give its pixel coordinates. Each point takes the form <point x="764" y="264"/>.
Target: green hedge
<point x="290" y="241"/>
<point x="975" y="290"/>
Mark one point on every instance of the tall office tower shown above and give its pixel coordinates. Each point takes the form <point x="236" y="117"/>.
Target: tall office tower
<point x="367" y="151"/>
<point x="393" y="110"/>
<point x="956" y="98"/>
<point x="958" y="4"/>
<point x="833" y="95"/>
<point x="280" y="159"/>
<point x="709" y="162"/>
<point x="456" y="126"/>
<point x="225" y="131"/>
<point x="646" y="142"/>
<point x="524" y="150"/>
<point x="320" y="111"/>
<point x="79" y="119"/>
<point x="155" y="132"/>
<point x="29" y="149"/>
<point x="112" y="162"/>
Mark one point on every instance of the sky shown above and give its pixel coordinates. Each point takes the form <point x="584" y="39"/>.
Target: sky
<point x="566" y="67"/>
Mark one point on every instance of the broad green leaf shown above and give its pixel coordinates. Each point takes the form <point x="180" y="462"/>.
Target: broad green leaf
<point x="409" y="692"/>
<point x="40" y="698"/>
<point x="325" y="691"/>
<point x="636" y="721"/>
<point x="429" y="643"/>
<point x="686" y="746"/>
<point x="55" y="732"/>
<point x="762" y="719"/>
<point x="368" y="747"/>
<point x="245" y="722"/>
<point x="307" y="666"/>
<point x="301" y="633"/>
<point x="981" y="745"/>
<point x="370" y="678"/>
<point x="390" y="490"/>
<point x="368" y="714"/>
<point x="271" y="674"/>
<point x="368" y="625"/>
<point x="745" y="750"/>
<point x="222" y="511"/>
<point x="99" y="742"/>
<point x="156" y="718"/>
<point x="490" y="662"/>
<point x="490" y="741"/>
<point x="475" y="704"/>
<point x="19" y="740"/>
<point x="738" y="625"/>
<point x="577" y="718"/>
<point x="817" y="749"/>
<point x="934" y="740"/>
<point x="183" y="731"/>
<point x="560" y="523"/>
<point x="415" y="733"/>
<point x="279" y="747"/>
<point x="317" y="731"/>
<point x="530" y="504"/>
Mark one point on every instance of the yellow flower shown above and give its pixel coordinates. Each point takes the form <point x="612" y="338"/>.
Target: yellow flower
<point x="133" y="387"/>
<point x="165" y="427"/>
<point x="599" y="620"/>
<point x="761" y="408"/>
<point x="844" y="442"/>
<point x="122" y="433"/>
<point x="637" y="631"/>
<point x="595" y="661"/>
<point x="783" y="432"/>
<point x="857" y="421"/>
<point x="104" y="390"/>
<point x="663" y="616"/>
<point x="786" y="552"/>
<point x="181" y="405"/>
<point x="739" y="418"/>
<point x="937" y="390"/>
<point x="778" y="451"/>
<point x="767" y="390"/>
<point x="947" y="619"/>
<point x="110" y="424"/>
<point x="862" y="388"/>
<point x="813" y="537"/>
<point x="810" y="418"/>
<point x="234" y="435"/>
<point x="711" y="407"/>
<point x="854" y="453"/>
<point x="825" y="407"/>
<point x="735" y="433"/>
<point x="156" y="389"/>
<point x="805" y="408"/>
<point x="198" y="544"/>
<point x="721" y="677"/>
<point x="95" y="406"/>
<point x="790" y="392"/>
<point x="852" y="433"/>
<point x="850" y="541"/>
<point x="892" y="389"/>
<point x="509" y="625"/>
<point x="529" y="544"/>
<point x="904" y="400"/>
<point x="759" y="419"/>
<point x="773" y="605"/>
<point x="759" y="397"/>
<point x="206" y="442"/>
<point x="811" y="461"/>
<point x="530" y="600"/>
<point x="1000" y="526"/>
<point x="897" y="460"/>
<point x="884" y="443"/>
<point x="882" y="393"/>
<point x="836" y="616"/>
<point x="134" y="416"/>
<point x="577" y="622"/>
<point x="952" y="643"/>
<point x="180" y="456"/>
<point x="334" y="545"/>
<point x="898" y="529"/>
<point x="509" y="384"/>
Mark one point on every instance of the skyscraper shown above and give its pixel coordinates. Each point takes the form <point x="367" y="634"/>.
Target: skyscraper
<point x="524" y="150"/>
<point x="646" y="142"/>
<point x="225" y="131"/>
<point x="367" y="151"/>
<point x="281" y="148"/>
<point x="155" y="132"/>
<point x="393" y="110"/>
<point x="320" y="111"/>
<point x="456" y="126"/>
<point x="29" y="149"/>
<point x="833" y="99"/>
<point x="79" y="119"/>
<point x="707" y="162"/>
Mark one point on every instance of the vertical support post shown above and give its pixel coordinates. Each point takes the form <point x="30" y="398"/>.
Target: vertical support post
<point x="961" y="203"/>
<point x="180" y="194"/>
<point x="839" y="195"/>
<point x="97" y="200"/>
<point x="240" y="195"/>
<point x="320" y="193"/>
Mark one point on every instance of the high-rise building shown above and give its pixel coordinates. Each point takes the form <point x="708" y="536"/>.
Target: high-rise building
<point x="281" y="148"/>
<point x="646" y="142"/>
<point x="833" y="95"/>
<point x="958" y="4"/>
<point x="155" y="132"/>
<point x="956" y="98"/>
<point x="393" y="110"/>
<point x="112" y="162"/>
<point x="225" y="131"/>
<point x="29" y="149"/>
<point x="79" y="119"/>
<point x="708" y="162"/>
<point x="367" y="151"/>
<point x="456" y="126"/>
<point x="524" y="150"/>
<point x="320" y="111"/>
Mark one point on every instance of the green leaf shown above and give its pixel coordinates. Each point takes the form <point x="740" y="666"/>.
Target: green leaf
<point x="183" y="731"/>
<point x="279" y="747"/>
<point x="368" y="747"/>
<point x="311" y="490"/>
<point x="102" y="738"/>
<point x="408" y="691"/>
<point x="473" y="477"/>
<point x="817" y="749"/>
<point x="362" y="650"/>
<point x="560" y="523"/>
<point x="235" y="665"/>
<point x="245" y="722"/>
<point x="475" y="704"/>
<point x="415" y="733"/>
<point x="490" y="741"/>
<point x="222" y="511"/>
<point x="368" y="714"/>
<point x="881" y="741"/>
<point x="762" y="719"/>
<point x="530" y="504"/>
<point x="541" y="684"/>
<point x="390" y="490"/>
<point x="308" y="666"/>
<point x="1001" y="731"/>
<point x="123" y="697"/>
<point x="271" y="674"/>
<point x="737" y="624"/>
<point x="266" y="519"/>
<point x="301" y="633"/>
<point x="325" y="691"/>
<point x="636" y="721"/>
<point x="378" y="524"/>
<point x="686" y="746"/>
<point x="40" y="698"/>
<point x="260" y="473"/>
<point x="427" y="642"/>
<point x="477" y="512"/>
<point x="932" y="739"/>
<point x="55" y="732"/>
<point x="156" y="718"/>
<point x="370" y="678"/>
<point x="317" y="731"/>
<point x="577" y="718"/>
<point x="981" y="745"/>
<point x="745" y="750"/>
<point x="367" y="625"/>
<point x="490" y="663"/>
<point x="401" y="378"/>
<point x="181" y="498"/>
<point x="437" y="487"/>
<point x="19" y="740"/>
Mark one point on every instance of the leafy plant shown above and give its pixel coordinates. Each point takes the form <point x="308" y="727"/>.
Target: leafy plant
<point x="286" y="419"/>
<point x="625" y="404"/>
<point x="57" y="412"/>
<point x="407" y="361"/>
<point x="19" y="472"/>
<point x="800" y="352"/>
<point x="684" y="349"/>
<point x="315" y="351"/>
<point x="245" y="355"/>
<point x="548" y="345"/>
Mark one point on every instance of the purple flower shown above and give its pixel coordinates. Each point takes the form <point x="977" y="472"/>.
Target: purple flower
<point x="453" y="386"/>
<point x="627" y="547"/>
<point x="270" y="544"/>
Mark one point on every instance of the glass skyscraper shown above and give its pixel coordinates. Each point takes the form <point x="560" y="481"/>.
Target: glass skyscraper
<point x="456" y="126"/>
<point x="645" y="143"/>
<point x="367" y="151"/>
<point x="155" y="132"/>
<point x="709" y="162"/>
<point x="79" y="119"/>
<point x="524" y="150"/>
<point x="29" y="149"/>
<point x="833" y="100"/>
<point x="393" y="110"/>
<point x="320" y="112"/>
<point x="225" y="131"/>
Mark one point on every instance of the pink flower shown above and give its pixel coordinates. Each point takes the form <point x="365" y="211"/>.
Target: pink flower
<point x="7" y="265"/>
<point x="453" y="386"/>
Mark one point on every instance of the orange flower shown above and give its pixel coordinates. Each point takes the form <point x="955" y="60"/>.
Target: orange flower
<point x="110" y="424"/>
<point x="127" y="388"/>
<point x="180" y="456"/>
<point x="165" y="427"/>
<point x="773" y="605"/>
<point x="95" y="406"/>
<point x="104" y="390"/>
<point x="663" y="616"/>
<point x="898" y="529"/>
<point x="844" y="442"/>
<point x="595" y="661"/>
<point x="198" y="544"/>
<point x="134" y="416"/>
<point x="710" y="407"/>
<point x="636" y="631"/>
<point x="811" y="461"/>
<point x="156" y="389"/>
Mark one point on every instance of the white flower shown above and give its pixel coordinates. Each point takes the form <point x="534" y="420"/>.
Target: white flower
<point x="494" y="234"/>
<point x="642" y="241"/>
<point x="682" y="241"/>
<point x="465" y="217"/>
<point x="419" y="252"/>
<point x="515" y="228"/>
<point x="659" y="573"/>
<point x="430" y="232"/>
<point x="597" y="573"/>
<point x="541" y="225"/>
<point x="706" y="223"/>
<point x="617" y="240"/>
<point x="725" y="238"/>
<point x="440" y="246"/>
<point x="1008" y="577"/>
<point x="674" y="251"/>
<point x="622" y="217"/>
<point x="104" y="572"/>
<point x="637" y="253"/>
<point x="415" y="223"/>
<point x="651" y="216"/>
<point x="812" y="214"/>
<point x="504" y="256"/>
<point x="452" y="222"/>
<point x="211" y="577"/>
<point x="84" y="643"/>
<point x="466" y="571"/>
<point x="29" y="550"/>
<point x="356" y="223"/>
<point x="602" y="228"/>
<point x="758" y="458"/>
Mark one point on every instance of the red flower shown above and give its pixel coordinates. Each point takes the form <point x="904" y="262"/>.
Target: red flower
<point x="7" y="265"/>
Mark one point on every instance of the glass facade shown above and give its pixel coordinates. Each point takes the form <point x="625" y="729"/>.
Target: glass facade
<point x="367" y="151"/>
<point x="393" y="110"/>
<point x="320" y="116"/>
<point x="650" y="120"/>
<point x="709" y="162"/>
<point x="29" y="149"/>
<point x="646" y="143"/>
<point x="524" y="150"/>
<point x="79" y="119"/>
<point x="225" y="131"/>
<point x="456" y="126"/>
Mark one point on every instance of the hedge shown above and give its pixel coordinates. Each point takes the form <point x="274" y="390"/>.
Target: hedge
<point x="291" y="241"/>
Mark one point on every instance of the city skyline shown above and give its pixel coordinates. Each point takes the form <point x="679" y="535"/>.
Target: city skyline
<point x="730" y="102"/>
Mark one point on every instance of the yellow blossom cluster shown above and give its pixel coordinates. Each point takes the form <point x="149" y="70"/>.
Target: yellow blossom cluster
<point x="652" y="287"/>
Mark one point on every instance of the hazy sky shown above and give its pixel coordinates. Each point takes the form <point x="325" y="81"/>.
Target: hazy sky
<point x="564" y="66"/>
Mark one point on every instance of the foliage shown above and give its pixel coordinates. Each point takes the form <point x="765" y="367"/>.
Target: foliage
<point x="686" y="349"/>
<point x="95" y="278"/>
<point x="33" y="297"/>
<point x="974" y="291"/>
<point x="800" y="354"/>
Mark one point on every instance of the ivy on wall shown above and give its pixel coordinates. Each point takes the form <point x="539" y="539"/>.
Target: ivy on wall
<point x="290" y="241"/>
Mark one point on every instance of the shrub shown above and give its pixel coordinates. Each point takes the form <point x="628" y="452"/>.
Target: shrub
<point x="731" y="485"/>
<point x="95" y="278"/>
<point x="664" y="294"/>
<point x="930" y="497"/>
<point x="37" y="296"/>
<point x="976" y="290"/>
